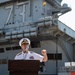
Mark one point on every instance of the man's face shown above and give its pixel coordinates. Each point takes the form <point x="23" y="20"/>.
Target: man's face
<point x="24" y="46"/>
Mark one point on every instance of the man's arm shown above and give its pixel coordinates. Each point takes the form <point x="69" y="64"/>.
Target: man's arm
<point x="44" y="53"/>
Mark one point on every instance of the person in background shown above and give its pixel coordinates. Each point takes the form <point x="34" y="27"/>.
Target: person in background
<point x="25" y="54"/>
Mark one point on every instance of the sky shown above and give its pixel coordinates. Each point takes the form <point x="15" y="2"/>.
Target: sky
<point x="69" y="18"/>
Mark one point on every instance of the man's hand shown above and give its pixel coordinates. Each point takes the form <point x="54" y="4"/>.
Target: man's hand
<point x="44" y="52"/>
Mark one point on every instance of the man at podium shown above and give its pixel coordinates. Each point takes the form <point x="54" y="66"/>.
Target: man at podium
<point x="29" y="55"/>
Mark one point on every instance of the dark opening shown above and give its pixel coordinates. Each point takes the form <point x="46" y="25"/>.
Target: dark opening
<point x="58" y="56"/>
<point x="35" y="44"/>
<point x="52" y="56"/>
<point x="1" y="50"/>
<point x="16" y="47"/>
<point x="8" y="48"/>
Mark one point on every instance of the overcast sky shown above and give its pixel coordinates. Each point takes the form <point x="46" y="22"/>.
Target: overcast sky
<point x="69" y="18"/>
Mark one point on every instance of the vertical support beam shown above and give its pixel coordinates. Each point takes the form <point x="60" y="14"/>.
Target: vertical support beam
<point x="56" y="55"/>
<point x="74" y="51"/>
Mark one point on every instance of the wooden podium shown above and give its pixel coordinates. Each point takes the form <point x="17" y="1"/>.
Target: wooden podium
<point x="23" y="67"/>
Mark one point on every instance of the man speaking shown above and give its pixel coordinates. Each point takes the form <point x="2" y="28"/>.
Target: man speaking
<point x="30" y="55"/>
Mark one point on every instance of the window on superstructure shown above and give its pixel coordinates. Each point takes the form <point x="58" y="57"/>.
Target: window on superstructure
<point x="8" y="48"/>
<point x="58" y="56"/>
<point x="1" y="50"/>
<point x="50" y="56"/>
<point x="35" y="44"/>
<point x="16" y="47"/>
<point x="53" y="56"/>
<point x="0" y="61"/>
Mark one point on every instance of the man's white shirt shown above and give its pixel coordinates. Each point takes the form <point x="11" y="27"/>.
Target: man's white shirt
<point x="29" y="56"/>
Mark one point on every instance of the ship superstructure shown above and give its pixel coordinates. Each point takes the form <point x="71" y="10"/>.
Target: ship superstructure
<point x="38" y="21"/>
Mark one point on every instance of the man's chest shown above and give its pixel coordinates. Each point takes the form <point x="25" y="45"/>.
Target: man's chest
<point x="27" y="56"/>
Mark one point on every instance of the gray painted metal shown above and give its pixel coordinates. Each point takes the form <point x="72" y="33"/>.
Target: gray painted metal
<point x="2" y="1"/>
<point x="64" y="73"/>
<point x="29" y="18"/>
<point x="67" y="30"/>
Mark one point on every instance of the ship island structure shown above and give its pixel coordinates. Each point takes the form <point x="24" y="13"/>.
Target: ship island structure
<point x="38" y="21"/>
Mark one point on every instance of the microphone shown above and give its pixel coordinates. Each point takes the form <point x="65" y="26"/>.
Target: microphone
<point x="27" y="47"/>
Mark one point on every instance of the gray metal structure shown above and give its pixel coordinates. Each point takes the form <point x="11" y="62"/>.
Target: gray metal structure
<point x="37" y="20"/>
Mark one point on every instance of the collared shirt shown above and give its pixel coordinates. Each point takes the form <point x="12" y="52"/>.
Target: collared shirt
<point x="29" y="56"/>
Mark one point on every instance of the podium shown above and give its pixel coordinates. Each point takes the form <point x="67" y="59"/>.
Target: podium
<point x="23" y="67"/>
